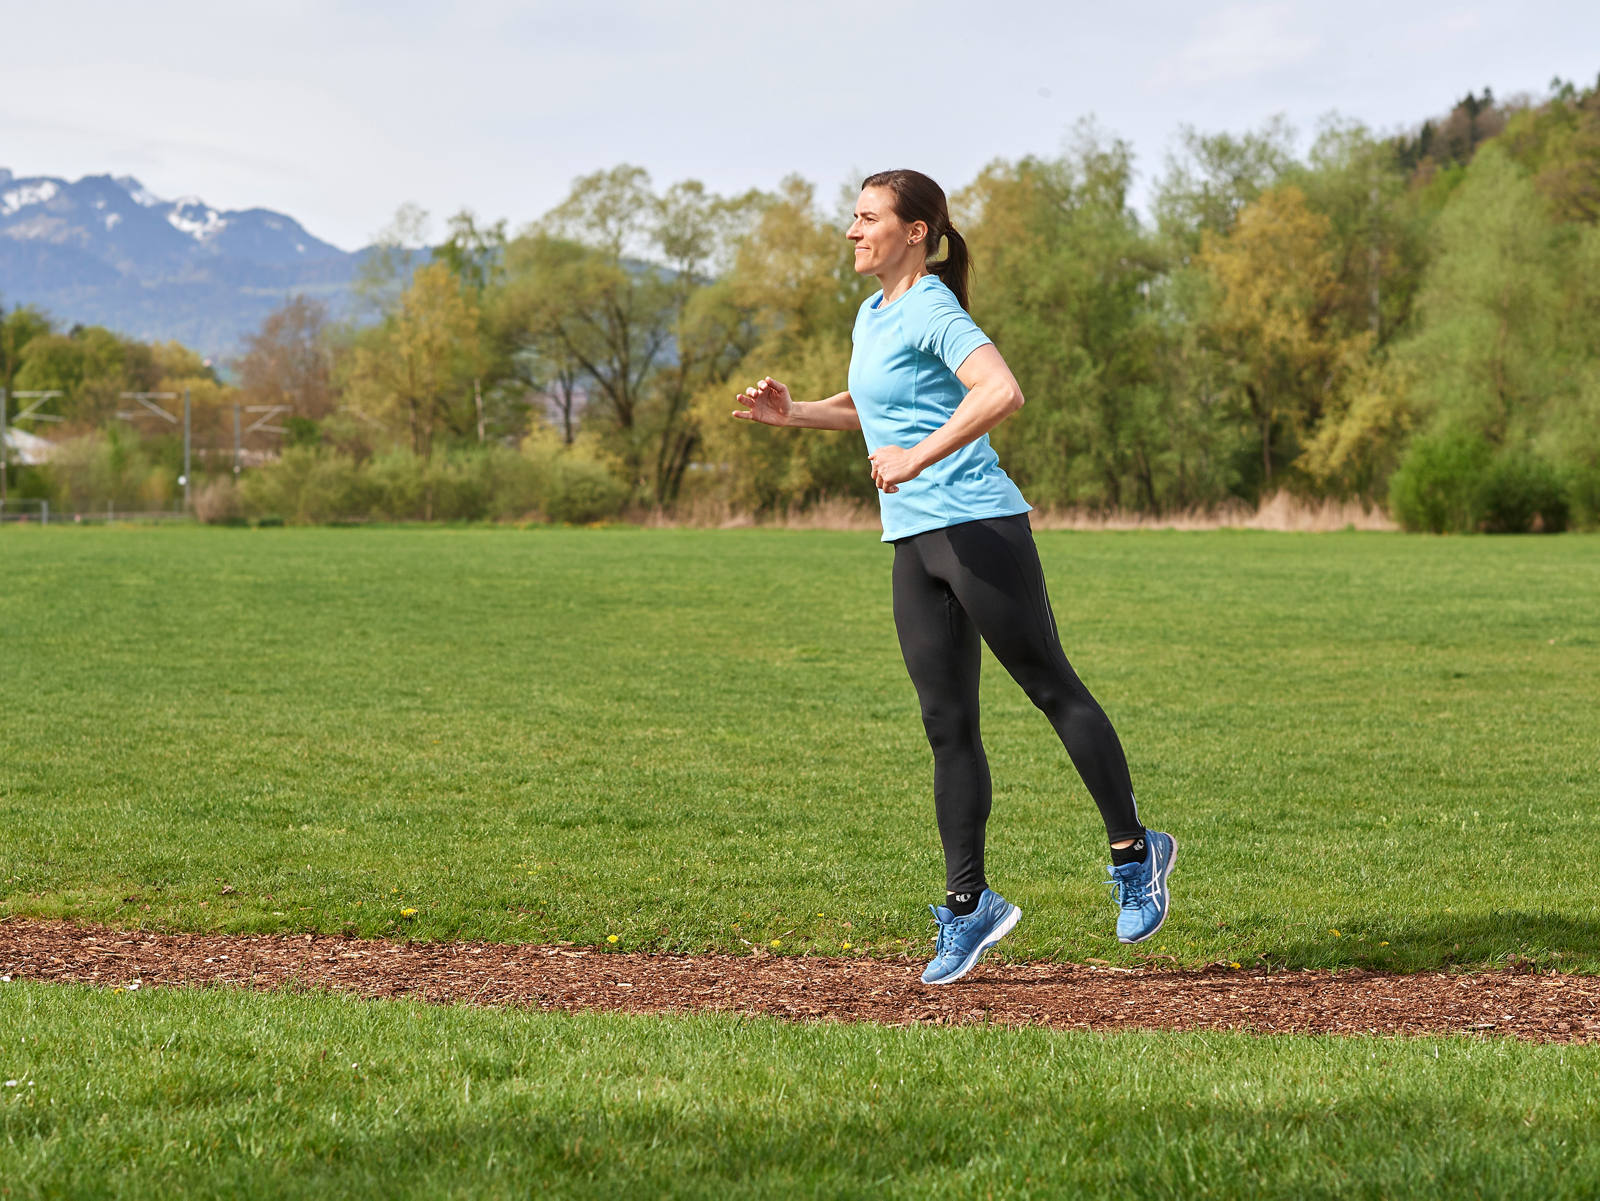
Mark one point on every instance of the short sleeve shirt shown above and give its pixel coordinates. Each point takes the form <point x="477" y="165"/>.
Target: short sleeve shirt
<point x="904" y="386"/>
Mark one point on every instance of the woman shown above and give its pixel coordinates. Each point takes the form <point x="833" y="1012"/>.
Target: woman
<point x="925" y="388"/>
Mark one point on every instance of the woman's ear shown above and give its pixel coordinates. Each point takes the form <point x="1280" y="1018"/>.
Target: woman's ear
<point x="918" y="231"/>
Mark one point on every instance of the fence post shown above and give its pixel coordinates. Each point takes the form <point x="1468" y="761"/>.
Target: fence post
<point x="44" y="512"/>
<point x="186" y="474"/>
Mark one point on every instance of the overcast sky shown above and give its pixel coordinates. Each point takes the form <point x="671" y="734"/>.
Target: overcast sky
<point x="336" y="111"/>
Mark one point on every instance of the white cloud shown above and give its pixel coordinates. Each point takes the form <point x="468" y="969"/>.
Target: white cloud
<point x="1240" y="42"/>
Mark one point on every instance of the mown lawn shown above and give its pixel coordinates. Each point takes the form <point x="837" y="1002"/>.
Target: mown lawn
<point x="225" y="1094"/>
<point x="1373" y="749"/>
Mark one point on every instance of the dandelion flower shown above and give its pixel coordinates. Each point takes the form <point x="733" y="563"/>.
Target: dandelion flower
<point x="408" y="913"/>
<point x="777" y="942"/>
<point x="1383" y="944"/>
<point x="847" y="946"/>
<point x="1233" y="965"/>
<point x="1335" y="933"/>
<point x="611" y="938"/>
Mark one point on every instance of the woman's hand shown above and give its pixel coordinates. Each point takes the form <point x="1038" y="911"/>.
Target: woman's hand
<point x="769" y="403"/>
<point x="892" y="467"/>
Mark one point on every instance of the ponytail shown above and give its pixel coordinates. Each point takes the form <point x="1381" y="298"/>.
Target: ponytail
<point x="919" y="198"/>
<point x="956" y="266"/>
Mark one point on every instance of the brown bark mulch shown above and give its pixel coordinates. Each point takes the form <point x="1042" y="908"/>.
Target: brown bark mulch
<point x="1536" y="1006"/>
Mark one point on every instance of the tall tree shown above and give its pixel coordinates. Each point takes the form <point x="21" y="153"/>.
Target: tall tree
<point x="612" y="287"/>
<point x="289" y="360"/>
<point x="1215" y="175"/>
<point x="419" y="365"/>
<point x="793" y="292"/>
<point x="1075" y="299"/>
<point x="1489" y="352"/>
<point x="1274" y="290"/>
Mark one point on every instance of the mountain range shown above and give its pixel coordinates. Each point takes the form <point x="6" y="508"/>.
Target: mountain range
<point x="104" y="251"/>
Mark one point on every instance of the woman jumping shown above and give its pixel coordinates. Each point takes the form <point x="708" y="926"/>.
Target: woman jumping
<point x="926" y="386"/>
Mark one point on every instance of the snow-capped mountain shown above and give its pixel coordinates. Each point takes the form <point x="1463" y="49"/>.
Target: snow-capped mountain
<point x="107" y="251"/>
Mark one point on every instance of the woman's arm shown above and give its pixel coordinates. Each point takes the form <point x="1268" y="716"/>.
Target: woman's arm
<point x="837" y="412"/>
<point x="771" y="404"/>
<point x="992" y="396"/>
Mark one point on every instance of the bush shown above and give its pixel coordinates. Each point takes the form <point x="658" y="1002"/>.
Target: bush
<point x="274" y="490"/>
<point x="336" y="488"/>
<point x="217" y="502"/>
<point x="396" y="486"/>
<point x="1519" y="487"/>
<point x="515" y="483"/>
<point x="1439" y="485"/>
<point x="455" y="488"/>
<point x="100" y="468"/>
<point x="1583" y="494"/>
<point x="581" y="491"/>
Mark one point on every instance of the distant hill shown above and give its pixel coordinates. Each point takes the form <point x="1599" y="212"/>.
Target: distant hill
<point x="104" y="251"/>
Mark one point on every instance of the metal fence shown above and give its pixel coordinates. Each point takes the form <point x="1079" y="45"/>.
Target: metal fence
<point x="27" y="510"/>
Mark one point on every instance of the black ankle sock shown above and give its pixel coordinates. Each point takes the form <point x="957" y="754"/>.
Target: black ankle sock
<point x="1134" y="853"/>
<point x="962" y="903"/>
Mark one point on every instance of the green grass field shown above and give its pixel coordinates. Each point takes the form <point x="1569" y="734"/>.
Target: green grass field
<point x="688" y="738"/>
<point x="222" y="1094"/>
<point x="1374" y="749"/>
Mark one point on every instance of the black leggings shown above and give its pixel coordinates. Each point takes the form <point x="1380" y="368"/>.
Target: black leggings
<point x="983" y="578"/>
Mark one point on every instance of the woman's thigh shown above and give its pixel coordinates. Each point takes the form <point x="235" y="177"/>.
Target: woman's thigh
<point x="938" y="639"/>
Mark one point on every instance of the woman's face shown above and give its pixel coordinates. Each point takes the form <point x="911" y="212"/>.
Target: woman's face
<point x="883" y="241"/>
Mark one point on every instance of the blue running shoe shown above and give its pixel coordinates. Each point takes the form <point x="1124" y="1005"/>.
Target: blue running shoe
<point x="1140" y="889"/>
<point x="963" y="940"/>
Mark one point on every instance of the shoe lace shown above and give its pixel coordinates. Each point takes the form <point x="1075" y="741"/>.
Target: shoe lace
<point x="1131" y="891"/>
<point x="947" y="936"/>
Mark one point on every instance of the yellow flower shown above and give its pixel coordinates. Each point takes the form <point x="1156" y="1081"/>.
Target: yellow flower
<point x="611" y="938"/>
<point x="777" y="942"/>
<point x="408" y="913"/>
<point x="1335" y="933"/>
<point x="847" y="946"/>
<point x="1383" y="944"/>
<point x="1233" y="965"/>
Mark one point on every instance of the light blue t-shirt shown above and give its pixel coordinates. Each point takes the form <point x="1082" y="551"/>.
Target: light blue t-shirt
<point x="903" y="382"/>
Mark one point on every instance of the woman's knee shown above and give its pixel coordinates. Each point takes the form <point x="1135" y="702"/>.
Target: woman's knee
<point x="1061" y="698"/>
<point x="950" y="727"/>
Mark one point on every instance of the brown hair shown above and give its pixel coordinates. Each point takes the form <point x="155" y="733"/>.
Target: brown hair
<point x="918" y="198"/>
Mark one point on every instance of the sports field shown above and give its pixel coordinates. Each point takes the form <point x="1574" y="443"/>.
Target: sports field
<point x="1375" y="751"/>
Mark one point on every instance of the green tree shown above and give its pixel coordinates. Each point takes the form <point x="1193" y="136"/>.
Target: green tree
<point x="1274" y="289"/>
<point x="417" y="367"/>
<point x="611" y="292"/>
<point x="1488" y="353"/>
<point x="791" y="294"/>
<point x="1074" y="307"/>
<point x="1215" y="175"/>
<point x="1558" y="142"/>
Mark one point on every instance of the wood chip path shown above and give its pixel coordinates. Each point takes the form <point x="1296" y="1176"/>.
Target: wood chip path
<point x="1545" y="1007"/>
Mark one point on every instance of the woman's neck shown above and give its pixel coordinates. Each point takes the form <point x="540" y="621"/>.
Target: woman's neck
<point x="896" y="283"/>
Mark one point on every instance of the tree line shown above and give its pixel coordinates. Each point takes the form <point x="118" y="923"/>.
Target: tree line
<point x="1408" y="321"/>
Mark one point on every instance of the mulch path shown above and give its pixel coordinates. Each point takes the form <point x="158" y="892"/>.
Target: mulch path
<point x="1543" y="1007"/>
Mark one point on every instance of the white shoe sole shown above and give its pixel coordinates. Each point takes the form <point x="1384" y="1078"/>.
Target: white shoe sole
<point x="1172" y="862"/>
<point x="1007" y="924"/>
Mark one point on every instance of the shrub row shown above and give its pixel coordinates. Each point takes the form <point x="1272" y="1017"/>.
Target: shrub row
<point x="1455" y="482"/>
<point x="312" y="486"/>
